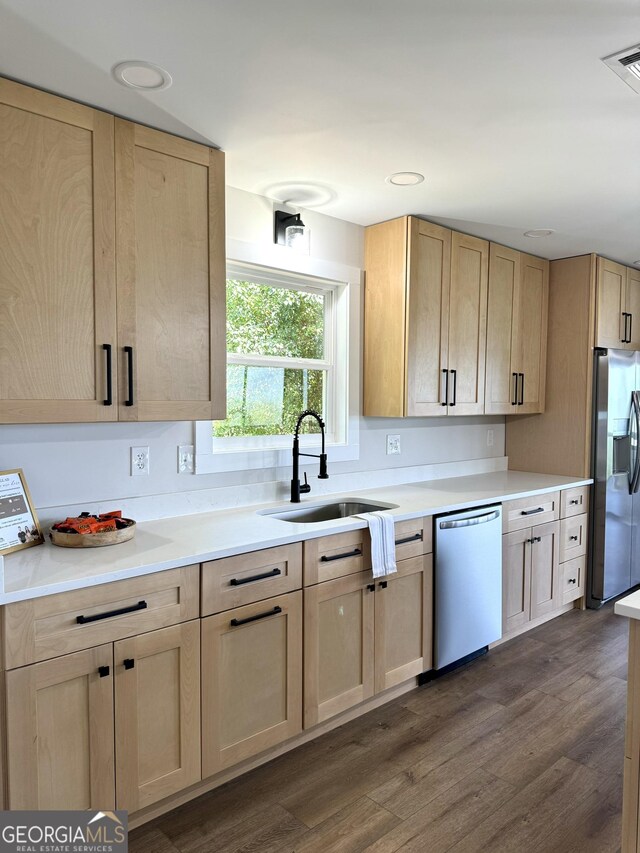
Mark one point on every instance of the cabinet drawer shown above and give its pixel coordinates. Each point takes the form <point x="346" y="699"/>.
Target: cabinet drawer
<point x="573" y="537"/>
<point x="69" y="621"/>
<point x="574" y="501"/>
<point x="413" y="538"/>
<point x="573" y="574"/>
<point x="330" y="557"/>
<point x="245" y="578"/>
<point x="524" y="512"/>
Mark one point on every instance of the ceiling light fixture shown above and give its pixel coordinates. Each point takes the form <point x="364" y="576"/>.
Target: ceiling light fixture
<point x="405" y="179"/>
<point x="136" y="74"/>
<point x="289" y="230"/>
<point x="539" y="232"/>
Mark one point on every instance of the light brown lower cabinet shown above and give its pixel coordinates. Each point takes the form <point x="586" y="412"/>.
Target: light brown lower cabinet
<point x="363" y="636"/>
<point x="251" y="680"/>
<point x="64" y="729"/>
<point x="157" y="714"/>
<point x="60" y="724"/>
<point x="530" y="574"/>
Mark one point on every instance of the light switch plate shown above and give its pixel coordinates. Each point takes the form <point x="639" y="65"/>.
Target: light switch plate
<point x="185" y="459"/>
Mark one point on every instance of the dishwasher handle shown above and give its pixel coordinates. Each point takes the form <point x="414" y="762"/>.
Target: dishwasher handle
<point x="468" y="522"/>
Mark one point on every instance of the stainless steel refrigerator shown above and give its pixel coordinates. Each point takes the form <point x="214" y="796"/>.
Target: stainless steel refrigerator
<point x="615" y="561"/>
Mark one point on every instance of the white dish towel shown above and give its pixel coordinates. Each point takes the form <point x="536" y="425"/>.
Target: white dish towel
<point x="383" y="543"/>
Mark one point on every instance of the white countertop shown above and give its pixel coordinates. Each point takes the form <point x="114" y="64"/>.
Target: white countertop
<point x="629" y="605"/>
<point x="173" y="542"/>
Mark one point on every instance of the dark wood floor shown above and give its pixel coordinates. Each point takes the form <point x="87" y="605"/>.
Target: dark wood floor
<point x="520" y="751"/>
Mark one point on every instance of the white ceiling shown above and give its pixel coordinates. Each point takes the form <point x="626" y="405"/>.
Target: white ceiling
<point x="503" y="105"/>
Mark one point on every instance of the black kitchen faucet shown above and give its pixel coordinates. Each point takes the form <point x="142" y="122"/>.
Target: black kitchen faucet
<point x="296" y="488"/>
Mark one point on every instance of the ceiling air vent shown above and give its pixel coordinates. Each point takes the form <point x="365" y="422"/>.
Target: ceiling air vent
<point x="626" y="64"/>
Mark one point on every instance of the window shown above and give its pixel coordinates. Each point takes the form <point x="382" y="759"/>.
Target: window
<point x="280" y="353"/>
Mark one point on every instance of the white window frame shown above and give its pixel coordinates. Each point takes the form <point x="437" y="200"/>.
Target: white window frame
<point x="342" y="361"/>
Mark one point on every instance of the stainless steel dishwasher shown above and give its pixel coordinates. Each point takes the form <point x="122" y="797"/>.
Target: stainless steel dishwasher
<point x="468" y="584"/>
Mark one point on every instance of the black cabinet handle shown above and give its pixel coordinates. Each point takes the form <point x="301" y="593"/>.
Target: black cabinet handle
<point x="235" y="622"/>
<point x="371" y="587"/>
<point x="103" y="671"/>
<point x="573" y="539"/>
<point x="537" y="539"/>
<point x="574" y="502"/>
<point x="454" y="373"/>
<point x="446" y="387"/>
<point x="514" y="402"/>
<point x="128" y="663"/>
<point x="355" y="553"/>
<point x="521" y="398"/>
<point x="83" y="620"/>
<point x="383" y="584"/>
<point x="630" y="328"/>
<point x="572" y="580"/>
<point x="109" y="400"/>
<point x="129" y="352"/>
<point x="532" y="511"/>
<point x="414" y="538"/>
<point x="624" y="338"/>
<point x="239" y="581"/>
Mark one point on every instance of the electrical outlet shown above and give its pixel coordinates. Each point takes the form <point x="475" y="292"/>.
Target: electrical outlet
<point x="185" y="459"/>
<point x="393" y="445"/>
<point x="139" y="461"/>
<point x="489" y="438"/>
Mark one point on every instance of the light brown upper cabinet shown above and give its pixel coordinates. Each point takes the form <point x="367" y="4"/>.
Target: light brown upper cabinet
<point x="516" y="332"/>
<point x="618" y="306"/>
<point x="170" y="277"/>
<point x="96" y="211"/>
<point x="57" y="273"/>
<point x="425" y="320"/>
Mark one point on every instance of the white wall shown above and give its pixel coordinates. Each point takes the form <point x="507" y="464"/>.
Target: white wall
<point x="83" y="464"/>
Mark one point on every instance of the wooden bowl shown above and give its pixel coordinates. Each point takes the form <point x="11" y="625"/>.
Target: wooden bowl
<point x="94" y="540"/>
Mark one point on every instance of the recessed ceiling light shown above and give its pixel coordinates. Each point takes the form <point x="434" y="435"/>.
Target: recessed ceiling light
<point x="405" y="179"/>
<point x="539" y="232"/>
<point x="142" y="75"/>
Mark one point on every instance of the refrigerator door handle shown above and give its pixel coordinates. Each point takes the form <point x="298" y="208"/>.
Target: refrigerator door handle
<point x="634" y="435"/>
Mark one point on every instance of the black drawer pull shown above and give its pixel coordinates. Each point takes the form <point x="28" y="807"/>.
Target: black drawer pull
<point x="371" y="587"/>
<point x="355" y="553"/>
<point x="537" y="539"/>
<point x="103" y="671"/>
<point x="128" y="663"/>
<point x="573" y="539"/>
<point x="109" y="400"/>
<point x="239" y="581"/>
<point x="414" y="538"/>
<point x="383" y="584"/>
<point x="532" y="511"/>
<point x="235" y="622"/>
<point x="574" y="502"/>
<point x="83" y="620"/>
<point x="572" y="580"/>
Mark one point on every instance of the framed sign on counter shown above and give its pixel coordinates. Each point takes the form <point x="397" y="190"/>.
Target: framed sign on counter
<point x="19" y="526"/>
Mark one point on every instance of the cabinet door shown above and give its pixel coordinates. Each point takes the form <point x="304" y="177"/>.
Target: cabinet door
<point x="611" y="303"/>
<point x="157" y="714"/>
<point x="545" y="572"/>
<point x="57" y="267"/>
<point x="403" y="623"/>
<point x="60" y="731"/>
<point x="427" y="319"/>
<point x="504" y="278"/>
<point x="516" y="579"/>
<point x="251" y="680"/>
<point x="338" y="646"/>
<point x="633" y="306"/>
<point x="170" y="276"/>
<point x="530" y="349"/>
<point x="467" y="324"/>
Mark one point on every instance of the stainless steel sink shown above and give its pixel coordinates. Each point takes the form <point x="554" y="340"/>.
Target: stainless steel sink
<point x="326" y="511"/>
